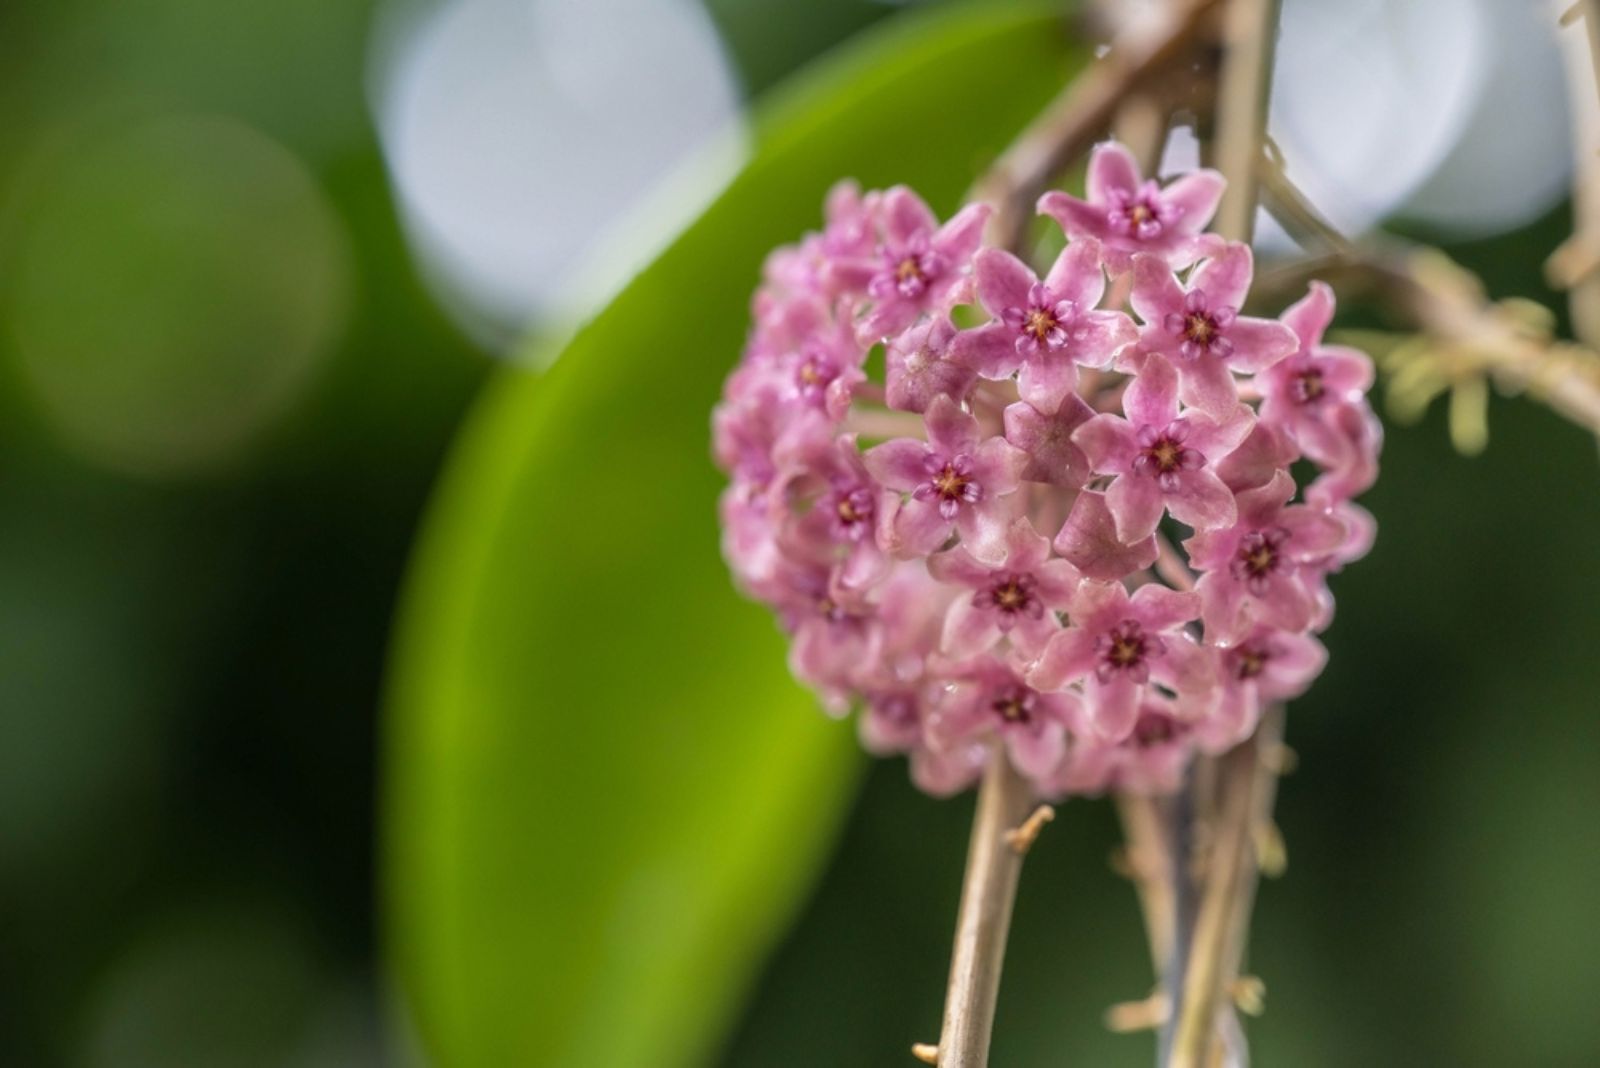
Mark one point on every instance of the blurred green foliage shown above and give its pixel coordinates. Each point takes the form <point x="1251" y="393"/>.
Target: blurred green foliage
<point x="190" y="652"/>
<point x="573" y="658"/>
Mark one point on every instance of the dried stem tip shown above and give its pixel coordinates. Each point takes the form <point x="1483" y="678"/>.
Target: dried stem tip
<point x="1022" y="838"/>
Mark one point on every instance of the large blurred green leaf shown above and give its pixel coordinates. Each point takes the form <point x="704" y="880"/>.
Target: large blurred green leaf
<point x="606" y="797"/>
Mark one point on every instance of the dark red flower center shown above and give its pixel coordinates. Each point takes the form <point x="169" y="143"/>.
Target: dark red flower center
<point x="1013" y="704"/>
<point x="1306" y="386"/>
<point x="950" y="484"/>
<point x="1039" y="322"/>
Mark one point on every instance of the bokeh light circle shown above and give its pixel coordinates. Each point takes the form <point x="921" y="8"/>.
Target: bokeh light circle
<point x="173" y="283"/>
<point x="528" y="141"/>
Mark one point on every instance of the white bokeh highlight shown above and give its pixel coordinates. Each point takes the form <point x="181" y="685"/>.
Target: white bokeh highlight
<point x="523" y="135"/>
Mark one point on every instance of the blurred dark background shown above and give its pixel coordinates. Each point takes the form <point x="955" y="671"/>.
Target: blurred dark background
<point x="229" y="373"/>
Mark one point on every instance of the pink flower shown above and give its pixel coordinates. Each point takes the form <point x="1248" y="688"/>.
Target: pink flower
<point x="1262" y="569"/>
<point x="922" y="265"/>
<point x="1200" y="328"/>
<point x="915" y="579"/>
<point x="1118" y="646"/>
<point x="833" y="630"/>
<point x="1045" y="328"/>
<point x="839" y="509"/>
<point x="957" y="480"/>
<point x="1016" y="599"/>
<point x="1162" y="459"/>
<point x="988" y="698"/>
<point x="1042" y="428"/>
<point x="1129" y="215"/>
<point x="1088" y="540"/>
<point x="1267" y="665"/>
<point x="920" y="366"/>
<point x="1303" y="393"/>
<point x="1151" y="760"/>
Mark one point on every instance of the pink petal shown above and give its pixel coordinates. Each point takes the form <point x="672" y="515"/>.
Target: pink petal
<point x="906" y="215"/>
<point x="1156" y="292"/>
<point x="1037" y="751"/>
<point x="1099" y="337"/>
<point x="1113" y="707"/>
<point x="1202" y="501"/>
<point x="1077" y="218"/>
<point x="1196" y="194"/>
<point x="951" y="430"/>
<point x="1136" y="504"/>
<point x="1151" y="398"/>
<point x="1111" y="167"/>
<point x="969" y="631"/>
<point x="1002" y="281"/>
<point x="1259" y="456"/>
<point x="1109" y="442"/>
<point x="899" y="464"/>
<point x="1159" y="607"/>
<point x="1077" y="274"/>
<point x="989" y="350"/>
<point x="1069" y="657"/>
<point x="919" y="528"/>
<point x="1309" y="316"/>
<point x="1047" y="439"/>
<point x="958" y="568"/>
<point x="1049" y="376"/>
<point x="1089" y="541"/>
<point x="960" y="237"/>
<point x="1207" y="384"/>
<point x="1225" y="277"/>
<point x="1259" y="343"/>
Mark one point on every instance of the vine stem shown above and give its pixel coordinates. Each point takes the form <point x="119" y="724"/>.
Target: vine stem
<point x="988" y="891"/>
<point x="1211" y="935"/>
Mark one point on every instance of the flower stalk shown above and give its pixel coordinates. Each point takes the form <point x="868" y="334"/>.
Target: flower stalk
<point x="988" y="892"/>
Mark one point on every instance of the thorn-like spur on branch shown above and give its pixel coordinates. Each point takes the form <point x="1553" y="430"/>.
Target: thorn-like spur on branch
<point x="1082" y="114"/>
<point x="1021" y="839"/>
<point x="988" y="890"/>
<point x="925" y="1053"/>
<point x="1146" y="1014"/>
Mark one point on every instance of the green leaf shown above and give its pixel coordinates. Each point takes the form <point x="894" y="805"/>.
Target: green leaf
<point x="606" y="798"/>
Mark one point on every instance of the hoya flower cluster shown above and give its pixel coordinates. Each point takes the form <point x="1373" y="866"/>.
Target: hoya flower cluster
<point x="952" y="478"/>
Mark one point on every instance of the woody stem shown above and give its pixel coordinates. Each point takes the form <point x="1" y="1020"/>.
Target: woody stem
<point x="987" y="893"/>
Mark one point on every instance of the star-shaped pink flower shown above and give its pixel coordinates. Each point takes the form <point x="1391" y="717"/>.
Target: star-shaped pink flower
<point x="958" y="480"/>
<point x="1162" y="459"/>
<point x="1264" y="568"/>
<point x="1129" y="215"/>
<point x="1044" y="328"/>
<point x="1016" y="599"/>
<point x="923" y="267"/>
<point x="988" y="699"/>
<point x="1199" y="326"/>
<point x="1118" y="646"/>
<point x="920" y="366"/>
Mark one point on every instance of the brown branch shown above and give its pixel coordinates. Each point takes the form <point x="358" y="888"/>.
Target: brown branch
<point x="1575" y="266"/>
<point x="1203" y="968"/>
<point x="1248" y="31"/>
<point x="1447" y="304"/>
<point x="987" y="893"/>
<point x="1082" y="114"/>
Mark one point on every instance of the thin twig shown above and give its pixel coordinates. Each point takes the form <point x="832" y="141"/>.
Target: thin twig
<point x="1576" y="265"/>
<point x="1202" y="966"/>
<point x="1082" y="114"/>
<point x="1205" y="976"/>
<point x="987" y="893"/>
<point x="1249" y="27"/>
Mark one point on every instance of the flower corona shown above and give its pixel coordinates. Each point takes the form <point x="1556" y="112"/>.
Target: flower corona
<point x="966" y="544"/>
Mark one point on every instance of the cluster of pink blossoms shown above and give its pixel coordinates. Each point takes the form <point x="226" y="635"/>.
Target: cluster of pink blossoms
<point x="967" y="548"/>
